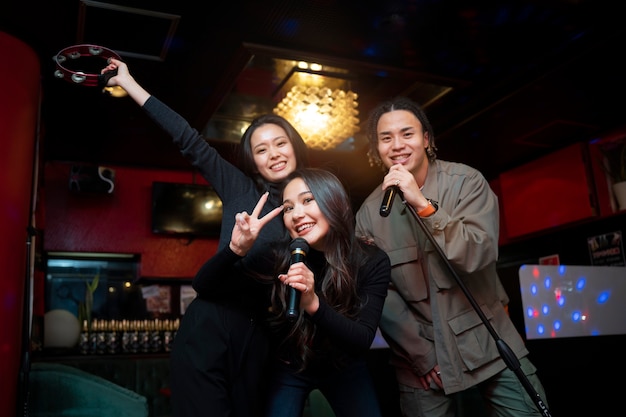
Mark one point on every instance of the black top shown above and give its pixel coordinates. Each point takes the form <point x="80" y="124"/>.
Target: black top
<point x="337" y="337"/>
<point x="238" y="192"/>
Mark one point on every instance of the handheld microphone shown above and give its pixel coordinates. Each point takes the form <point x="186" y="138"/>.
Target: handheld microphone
<point x="298" y="249"/>
<point x="390" y="195"/>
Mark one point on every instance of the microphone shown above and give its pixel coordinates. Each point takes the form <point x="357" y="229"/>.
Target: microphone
<point x="390" y="195"/>
<point x="298" y="249"/>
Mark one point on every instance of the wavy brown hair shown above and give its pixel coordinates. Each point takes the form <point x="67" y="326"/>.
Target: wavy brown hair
<point x="343" y="258"/>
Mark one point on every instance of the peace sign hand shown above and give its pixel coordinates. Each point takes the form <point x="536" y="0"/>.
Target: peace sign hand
<point x="248" y="226"/>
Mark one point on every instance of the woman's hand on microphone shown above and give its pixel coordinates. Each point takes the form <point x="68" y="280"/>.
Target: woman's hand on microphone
<point x="301" y="278"/>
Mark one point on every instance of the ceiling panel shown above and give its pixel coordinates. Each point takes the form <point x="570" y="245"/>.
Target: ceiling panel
<point x="502" y="82"/>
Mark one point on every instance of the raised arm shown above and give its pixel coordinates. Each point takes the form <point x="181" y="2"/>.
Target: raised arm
<point x="229" y="181"/>
<point x="126" y="81"/>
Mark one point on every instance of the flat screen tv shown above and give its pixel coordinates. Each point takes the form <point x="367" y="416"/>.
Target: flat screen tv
<point x="185" y="209"/>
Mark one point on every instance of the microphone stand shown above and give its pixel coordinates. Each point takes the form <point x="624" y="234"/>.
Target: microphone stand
<point x="505" y="351"/>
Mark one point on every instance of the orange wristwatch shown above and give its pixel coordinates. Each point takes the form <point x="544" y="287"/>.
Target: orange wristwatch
<point x="429" y="209"/>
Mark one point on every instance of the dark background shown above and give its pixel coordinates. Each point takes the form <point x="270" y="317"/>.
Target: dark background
<point x="522" y="79"/>
<point x="503" y="82"/>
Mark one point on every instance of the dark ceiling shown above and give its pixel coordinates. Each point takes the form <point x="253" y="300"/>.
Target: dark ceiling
<point x="503" y="82"/>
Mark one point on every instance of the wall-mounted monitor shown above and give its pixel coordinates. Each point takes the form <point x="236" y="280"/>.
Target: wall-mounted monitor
<point x="185" y="209"/>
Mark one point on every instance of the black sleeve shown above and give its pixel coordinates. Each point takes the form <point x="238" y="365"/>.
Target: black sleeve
<point x="356" y="335"/>
<point x="215" y="271"/>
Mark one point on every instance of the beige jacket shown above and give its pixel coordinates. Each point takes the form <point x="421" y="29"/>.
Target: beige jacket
<point x="427" y="318"/>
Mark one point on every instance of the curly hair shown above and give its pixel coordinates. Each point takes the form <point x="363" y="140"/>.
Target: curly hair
<point x="397" y="103"/>
<point x="344" y="257"/>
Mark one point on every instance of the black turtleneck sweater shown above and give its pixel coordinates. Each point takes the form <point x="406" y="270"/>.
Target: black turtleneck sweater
<point x="238" y="192"/>
<point x="338" y="338"/>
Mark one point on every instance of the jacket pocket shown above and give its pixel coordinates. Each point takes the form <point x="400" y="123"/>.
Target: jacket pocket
<point x="406" y="273"/>
<point x="473" y="340"/>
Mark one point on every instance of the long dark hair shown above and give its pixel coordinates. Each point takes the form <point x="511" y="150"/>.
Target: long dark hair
<point x="343" y="257"/>
<point x="397" y="103"/>
<point x="245" y="157"/>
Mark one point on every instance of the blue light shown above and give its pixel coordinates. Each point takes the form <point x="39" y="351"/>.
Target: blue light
<point x="533" y="289"/>
<point x="576" y="316"/>
<point x="547" y="282"/>
<point x="581" y="283"/>
<point x="289" y="27"/>
<point x="557" y="325"/>
<point x="561" y="301"/>
<point x="530" y="312"/>
<point x="370" y="51"/>
<point x="541" y="329"/>
<point x="603" y="297"/>
<point x="545" y="309"/>
<point x="562" y="270"/>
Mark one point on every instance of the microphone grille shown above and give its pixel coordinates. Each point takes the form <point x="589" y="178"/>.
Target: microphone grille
<point x="299" y="243"/>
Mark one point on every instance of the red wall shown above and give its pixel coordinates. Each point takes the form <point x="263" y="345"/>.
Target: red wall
<point x="548" y="192"/>
<point x="119" y="222"/>
<point x="19" y="106"/>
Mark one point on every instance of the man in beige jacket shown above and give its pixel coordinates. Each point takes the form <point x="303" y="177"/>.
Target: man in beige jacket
<point x="440" y="347"/>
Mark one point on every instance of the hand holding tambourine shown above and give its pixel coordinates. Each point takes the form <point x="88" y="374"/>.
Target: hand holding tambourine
<point x="81" y="64"/>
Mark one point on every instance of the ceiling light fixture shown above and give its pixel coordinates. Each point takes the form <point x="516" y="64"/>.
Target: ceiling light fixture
<point x="320" y="106"/>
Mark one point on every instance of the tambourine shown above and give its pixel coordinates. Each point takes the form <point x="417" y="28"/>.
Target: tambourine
<point x="81" y="64"/>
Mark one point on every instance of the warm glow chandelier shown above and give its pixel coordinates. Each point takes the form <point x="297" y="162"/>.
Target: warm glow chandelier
<point x="324" y="115"/>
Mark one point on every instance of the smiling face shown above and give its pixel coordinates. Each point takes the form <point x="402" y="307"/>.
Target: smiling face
<point x="302" y="216"/>
<point x="402" y="140"/>
<point x="273" y="153"/>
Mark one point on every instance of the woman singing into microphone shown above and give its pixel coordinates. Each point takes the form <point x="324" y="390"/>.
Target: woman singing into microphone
<point x="343" y="285"/>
